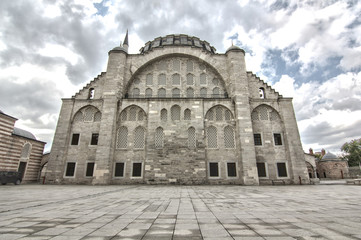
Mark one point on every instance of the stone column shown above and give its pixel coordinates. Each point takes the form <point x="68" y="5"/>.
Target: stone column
<point x="240" y="95"/>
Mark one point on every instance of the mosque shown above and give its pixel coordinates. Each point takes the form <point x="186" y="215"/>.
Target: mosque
<point x="177" y="112"/>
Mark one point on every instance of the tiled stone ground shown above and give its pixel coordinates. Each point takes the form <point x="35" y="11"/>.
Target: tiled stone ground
<point x="180" y="212"/>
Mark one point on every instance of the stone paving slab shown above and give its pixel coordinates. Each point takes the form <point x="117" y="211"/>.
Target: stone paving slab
<point x="147" y="212"/>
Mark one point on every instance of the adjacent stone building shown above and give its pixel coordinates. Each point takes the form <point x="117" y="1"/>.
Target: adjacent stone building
<point x="177" y="113"/>
<point x="332" y="167"/>
<point x="19" y="149"/>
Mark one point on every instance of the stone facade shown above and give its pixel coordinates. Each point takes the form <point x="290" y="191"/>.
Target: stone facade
<point x="332" y="167"/>
<point x="177" y="113"/>
<point x="19" y="149"/>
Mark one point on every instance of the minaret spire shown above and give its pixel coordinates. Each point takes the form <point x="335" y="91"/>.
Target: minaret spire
<point x="125" y="42"/>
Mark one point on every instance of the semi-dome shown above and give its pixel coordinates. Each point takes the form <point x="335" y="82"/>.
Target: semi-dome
<point x="23" y="133"/>
<point x="178" y="40"/>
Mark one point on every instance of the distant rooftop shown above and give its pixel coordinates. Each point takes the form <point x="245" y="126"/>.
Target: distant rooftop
<point x="23" y="133"/>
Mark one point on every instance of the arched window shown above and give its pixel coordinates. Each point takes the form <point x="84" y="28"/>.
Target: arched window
<point x="227" y="115"/>
<point x="191" y="137"/>
<point x="229" y="137"/>
<point x="262" y="94"/>
<point x="162" y="79"/>
<point x="89" y="114"/>
<point x="219" y="114"/>
<point x="189" y="66"/>
<point x="212" y="137"/>
<point x="78" y="117"/>
<point x="136" y="81"/>
<point x="254" y="115"/>
<point x="163" y="66"/>
<point x="190" y="80"/>
<point x="176" y="65"/>
<point x="175" y="112"/>
<point x="190" y="93"/>
<point x="97" y="116"/>
<point x="124" y="115"/>
<point x="203" y="92"/>
<point x="216" y="92"/>
<point x="159" y="138"/>
<point x="274" y="116"/>
<point x="203" y="79"/>
<point x="263" y="113"/>
<point x="140" y="115"/>
<point x="91" y="93"/>
<point x="132" y="114"/>
<point x="148" y="93"/>
<point x="187" y="114"/>
<point x="161" y="93"/>
<point x="139" y="140"/>
<point x="210" y="115"/>
<point x="149" y="79"/>
<point x="215" y="81"/>
<point x="176" y="79"/>
<point x="176" y="93"/>
<point x="122" y="137"/>
<point x="164" y="115"/>
<point x="136" y="92"/>
<point x="25" y="152"/>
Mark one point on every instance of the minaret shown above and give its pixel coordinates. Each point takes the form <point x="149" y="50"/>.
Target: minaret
<point x="125" y="42"/>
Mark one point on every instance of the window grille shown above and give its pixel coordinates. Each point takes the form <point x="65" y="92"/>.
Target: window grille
<point x="136" y="81"/>
<point x="263" y="113"/>
<point x="190" y="80"/>
<point x="216" y="93"/>
<point x="163" y="66"/>
<point x="187" y="114"/>
<point x="203" y="79"/>
<point x="176" y="65"/>
<point x="163" y="115"/>
<point x="88" y="114"/>
<point x="161" y="93"/>
<point x="277" y="138"/>
<point x="122" y="141"/>
<point x="231" y="169"/>
<point x="124" y="115"/>
<point x="215" y="81"/>
<point x="162" y="79"/>
<point x="274" y="116"/>
<point x="159" y="138"/>
<point x="148" y="93"/>
<point x="210" y="115"/>
<point x="189" y="66"/>
<point x="139" y="140"/>
<point x="140" y="115"/>
<point x="26" y="150"/>
<point x="229" y="137"/>
<point x="191" y="137"/>
<point x="227" y="115"/>
<point x="149" y="79"/>
<point x="190" y="93"/>
<point x="78" y="117"/>
<point x="261" y="168"/>
<point x="176" y="93"/>
<point x="136" y="92"/>
<point x="254" y="115"/>
<point x="213" y="169"/>
<point x="137" y="170"/>
<point x="175" y="112"/>
<point x="203" y="92"/>
<point x="75" y="139"/>
<point x="132" y="114"/>
<point x="281" y="169"/>
<point x="257" y="139"/>
<point x="97" y="116"/>
<point x="94" y="139"/>
<point x="176" y="79"/>
<point x="212" y="137"/>
<point x="219" y="113"/>
<point x="119" y="169"/>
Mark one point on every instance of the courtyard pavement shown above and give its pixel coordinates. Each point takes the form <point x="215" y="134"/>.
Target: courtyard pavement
<point x="180" y="212"/>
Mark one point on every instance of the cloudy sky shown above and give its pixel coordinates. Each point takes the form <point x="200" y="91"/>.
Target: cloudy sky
<point x="308" y="50"/>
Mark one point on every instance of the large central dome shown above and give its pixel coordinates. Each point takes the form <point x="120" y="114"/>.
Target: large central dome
<point x="177" y="40"/>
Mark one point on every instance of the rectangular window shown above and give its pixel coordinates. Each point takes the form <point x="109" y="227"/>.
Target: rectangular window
<point x="94" y="140"/>
<point x="75" y="139"/>
<point x="278" y="139"/>
<point x="261" y="168"/>
<point x="89" y="169"/>
<point x="119" y="169"/>
<point x="231" y="169"/>
<point x="257" y="139"/>
<point x="281" y="169"/>
<point x="70" y="169"/>
<point x="137" y="170"/>
<point x="213" y="169"/>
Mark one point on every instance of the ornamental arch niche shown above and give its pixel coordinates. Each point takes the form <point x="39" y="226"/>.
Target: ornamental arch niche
<point x="178" y="71"/>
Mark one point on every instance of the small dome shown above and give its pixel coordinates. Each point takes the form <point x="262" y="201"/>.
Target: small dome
<point x="234" y="48"/>
<point x="120" y="48"/>
<point x="330" y="157"/>
<point x="23" y="133"/>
